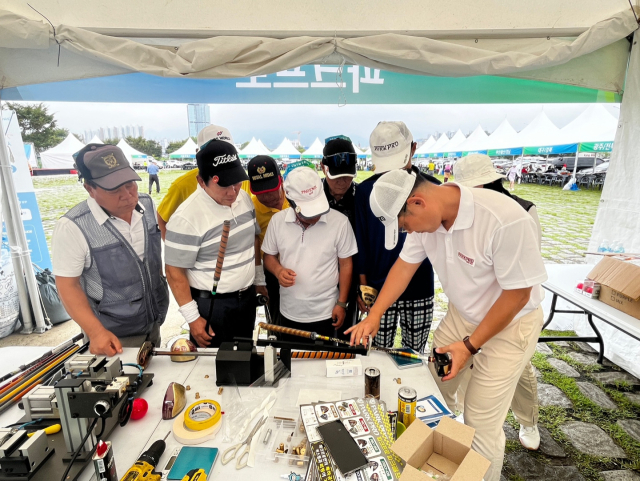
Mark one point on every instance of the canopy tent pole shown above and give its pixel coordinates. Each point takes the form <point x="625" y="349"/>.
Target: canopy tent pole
<point x="18" y="242"/>
<point x="575" y="164"/>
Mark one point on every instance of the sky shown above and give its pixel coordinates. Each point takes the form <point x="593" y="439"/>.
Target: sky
<point x="272" y="123"/>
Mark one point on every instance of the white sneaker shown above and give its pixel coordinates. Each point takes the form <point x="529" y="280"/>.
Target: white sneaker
<point x="530" y="437"/>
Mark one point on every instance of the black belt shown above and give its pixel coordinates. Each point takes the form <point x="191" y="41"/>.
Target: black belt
<point x="197" y="293"/>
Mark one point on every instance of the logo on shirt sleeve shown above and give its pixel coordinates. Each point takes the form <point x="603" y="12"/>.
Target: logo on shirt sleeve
<point x="467" y="259"/>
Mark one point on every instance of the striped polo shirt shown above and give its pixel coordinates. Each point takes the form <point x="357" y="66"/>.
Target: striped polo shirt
<point x="193" y="239"/>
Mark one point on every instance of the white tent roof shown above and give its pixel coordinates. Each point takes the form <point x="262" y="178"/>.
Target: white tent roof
<point x="505" y="136"/>
<point x="264" y="147"/>
<point x="474" y="141"/>
<point x="540" y="132"/>
<point x="359" y="152"/>
<point x="437" y="147"/>
<point x="424" y="148"/>
<point x="61" y="156"/>
<point x="253" y="148"/>
<point x="187" y="150"/>
<point x="314" y="151"/>
<point x="95" y="140"/>
<point x="454" y="143"/>
<point x="595" y="124"/>
<point x="130" y="153"/>
<point x="286" y="149"/>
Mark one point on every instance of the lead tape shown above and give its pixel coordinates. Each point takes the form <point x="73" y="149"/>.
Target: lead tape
<point x="201" y="422"/>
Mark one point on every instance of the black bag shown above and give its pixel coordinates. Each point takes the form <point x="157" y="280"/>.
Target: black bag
<point x="54" y="311"/>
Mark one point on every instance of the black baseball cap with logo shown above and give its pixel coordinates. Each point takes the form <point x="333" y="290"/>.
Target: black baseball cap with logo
<point x="264" y="175"/>
<point x="340" y="157"/>
<point x="220" y="158"/>
<point x="104" y="165"/>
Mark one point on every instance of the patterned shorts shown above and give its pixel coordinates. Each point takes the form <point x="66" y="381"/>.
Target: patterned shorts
<point x="415" y="322"/>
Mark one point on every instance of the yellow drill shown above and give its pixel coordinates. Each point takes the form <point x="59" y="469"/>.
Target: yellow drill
<point x="143" y="469"/>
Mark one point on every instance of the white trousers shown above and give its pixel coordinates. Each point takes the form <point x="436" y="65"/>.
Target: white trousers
<point x="494" y="375"/>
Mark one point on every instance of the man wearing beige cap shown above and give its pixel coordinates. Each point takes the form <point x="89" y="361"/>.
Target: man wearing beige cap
<point x="107" y="256"/>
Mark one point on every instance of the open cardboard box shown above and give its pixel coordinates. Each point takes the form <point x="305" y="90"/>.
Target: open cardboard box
<point x="445" y="450"/>
<point x="619" y="284"/>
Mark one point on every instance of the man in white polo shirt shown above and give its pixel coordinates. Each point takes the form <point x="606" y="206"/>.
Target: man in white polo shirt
<point x="308" y="247"/>
<point x="193" y="241"/>
<point x="485" y="253"/>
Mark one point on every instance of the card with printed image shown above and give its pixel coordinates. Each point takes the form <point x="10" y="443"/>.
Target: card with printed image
<point x="369" y="446"/>
<point x="379" y="470"/>
<point x="326" y="412"/>
<point x="348" y="408"/>
<point x="356" y="426"/>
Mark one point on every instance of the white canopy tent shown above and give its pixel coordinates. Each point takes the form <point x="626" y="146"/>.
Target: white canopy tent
<point x="314" y="151"/>
<point x="253" y="148"/>
<point x="504" y="136"/>
<point x="285" y="150"/>
<point x="423" y="150"/>
<point x="540" y="131"/>
<point x="474" y="141"/>
<point x="453" y="144"/>
<point x="95" y="140"/>
<point x="437" y="147"/>
<point x="595" y="124"/>
<point x="359" y="152"/>
<point x="61" y="156"/>
<point x="130" y="153"/>
<point x="187" y="151"/>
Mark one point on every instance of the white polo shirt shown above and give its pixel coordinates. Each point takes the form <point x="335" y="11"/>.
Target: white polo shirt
<point x="492" y="246"/>
<point x="70" y="251"/>
<point x="313" y="255"/>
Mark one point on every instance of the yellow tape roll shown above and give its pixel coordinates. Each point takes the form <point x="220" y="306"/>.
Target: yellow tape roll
<point x="202" y="415"/>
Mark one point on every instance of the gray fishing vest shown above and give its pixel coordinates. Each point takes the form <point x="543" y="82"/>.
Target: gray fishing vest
<point x="127" y="294"/>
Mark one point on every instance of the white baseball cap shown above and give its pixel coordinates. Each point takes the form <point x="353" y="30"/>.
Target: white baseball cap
<point x="303" y="188"/>
<point x="390" y="192"/>
<point x="390" y="146"/>
<point x="214" y="132"/>
<point x="474" y="170"/>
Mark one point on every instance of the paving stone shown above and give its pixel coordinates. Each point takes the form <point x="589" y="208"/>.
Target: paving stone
<point x="548" y="446"/>
<point x="542" y="348"/>
<point x="562" y="344"/>
<point x="549" y="395"/>
<point x="619" y="476"/>
<point x="613" y="376"/>
<point x="563" y="368"/>
<point x="590" y="439"/>
<point x="539" y="375"/>
<point x="530" y="469"/>
<point x="588" y="359"/>
<point x="510" y="433"/>
<point x="631" y="426"/>
<point x="585" y="347"/>
<point x="597" y="395"/>
<point x="634" y="398"/>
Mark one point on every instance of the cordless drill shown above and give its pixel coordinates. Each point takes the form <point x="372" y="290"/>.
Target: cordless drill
<point x="146" y="463"/>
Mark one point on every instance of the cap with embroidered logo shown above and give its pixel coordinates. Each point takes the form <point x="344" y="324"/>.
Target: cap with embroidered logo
<point x="214" y="132"/>
<point x="264" y="175"/>
<point x="390" y="146"/>
<point x="303" y="188"/>
<point x="390" y="192"/>
<point x="104" y="165"/>
<point x="218" y="158"/>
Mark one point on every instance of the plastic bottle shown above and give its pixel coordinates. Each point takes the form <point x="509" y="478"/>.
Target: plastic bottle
<point x="604" y="246"/>
<point x="617" y="247"/>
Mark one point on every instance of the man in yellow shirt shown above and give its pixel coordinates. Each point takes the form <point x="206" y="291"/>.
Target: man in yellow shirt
<point x="268" y="199"/>
<point x="186" y="184"/>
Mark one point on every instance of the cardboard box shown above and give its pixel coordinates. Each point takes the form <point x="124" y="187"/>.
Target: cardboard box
<point x="344" y="367"/>
<point x="445" y="450"/>
<point x="619" y="284"/>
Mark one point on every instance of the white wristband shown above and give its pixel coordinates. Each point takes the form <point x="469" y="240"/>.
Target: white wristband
<point x="189" y="311"/>
<point x="260" y="279"/>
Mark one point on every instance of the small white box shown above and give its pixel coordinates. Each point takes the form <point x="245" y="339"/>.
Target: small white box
<point x="344" y="368"/>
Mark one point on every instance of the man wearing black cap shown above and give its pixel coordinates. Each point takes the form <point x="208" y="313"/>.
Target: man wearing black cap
<point x="192" y="243"/>
<point x="268" y="199"/>
<point x="107" y="256"/>
<point x="339" y="162"/>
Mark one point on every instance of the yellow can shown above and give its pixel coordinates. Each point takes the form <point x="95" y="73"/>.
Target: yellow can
<point x="407" y="398"/>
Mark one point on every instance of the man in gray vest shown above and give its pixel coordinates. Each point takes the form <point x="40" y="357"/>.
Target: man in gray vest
<point x="107" y="256"/>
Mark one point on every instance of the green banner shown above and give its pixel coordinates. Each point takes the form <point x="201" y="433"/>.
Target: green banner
<point x="596" y="147"/>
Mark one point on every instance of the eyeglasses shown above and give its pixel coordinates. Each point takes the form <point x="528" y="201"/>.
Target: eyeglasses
<point x="335" y="137"/>
<point x="340" y="158"/>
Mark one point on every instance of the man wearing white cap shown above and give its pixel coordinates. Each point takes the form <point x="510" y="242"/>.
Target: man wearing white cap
<point x="392" y="147"/>
<point x="485" y="253"/>
<point x="308" y="247"/>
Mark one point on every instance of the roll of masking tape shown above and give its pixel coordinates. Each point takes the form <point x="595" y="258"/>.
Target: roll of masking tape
<point x="200" y="423"/>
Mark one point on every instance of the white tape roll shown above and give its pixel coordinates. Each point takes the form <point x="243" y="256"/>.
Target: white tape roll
<point x="188" y="437"/>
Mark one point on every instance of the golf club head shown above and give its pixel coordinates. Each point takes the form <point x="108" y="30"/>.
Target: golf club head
<point x="144" y="354"/>
<point x="183" y="345"/>
<point x="175" y="399"/>
<point x="368" y="295"/>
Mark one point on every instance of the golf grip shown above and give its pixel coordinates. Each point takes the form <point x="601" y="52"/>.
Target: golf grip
<point x="321" y="355"/>
<point x="222" y="250"/>
<point x="285" y="330"/>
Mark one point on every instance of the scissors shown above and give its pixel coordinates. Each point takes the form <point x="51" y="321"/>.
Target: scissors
<point x="231" y="453"/>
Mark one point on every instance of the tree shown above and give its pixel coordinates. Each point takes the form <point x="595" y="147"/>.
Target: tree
<point x="38" y="125"/>
<point x="173" y="146"/>
<point x="111" y="141"/>
<point x="79" y="137"/>
<point x="244" y="144"/>
<point x="146" y="146"/>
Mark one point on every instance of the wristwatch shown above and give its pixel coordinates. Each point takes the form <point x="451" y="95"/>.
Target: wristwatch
<point x="469" y="346"/>
<point x="341" y="304"/>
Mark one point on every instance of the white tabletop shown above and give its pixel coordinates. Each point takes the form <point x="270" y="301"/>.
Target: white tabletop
<point x="135" y="437"/>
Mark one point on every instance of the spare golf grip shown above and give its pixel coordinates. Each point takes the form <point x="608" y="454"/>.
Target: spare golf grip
<point x="221" y="251"/>
<point x="322" y="355"/>
<point x="286" y="330"/>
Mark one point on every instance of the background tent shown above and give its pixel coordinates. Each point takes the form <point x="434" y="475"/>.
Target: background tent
<point x="314" y="151"/>
<point x="450" y="149"/>
<point x="30" y="153"/>
<point x="359" y="152"/>
<point x="253" y="148"/>
<point x="540" y="132"/>
<point x="130" y="153"/>
<point x="502" y="140"/>
<point x="61" y="156"/>
<point x="423" y="150"/>
<point x="474" y="142"/>
<point x="437" y="147"/>
<point x="595" y="124"/>
<point x="187" y="151"/>
<point x="95" y="140"/>
<point x="286" y="150"/>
